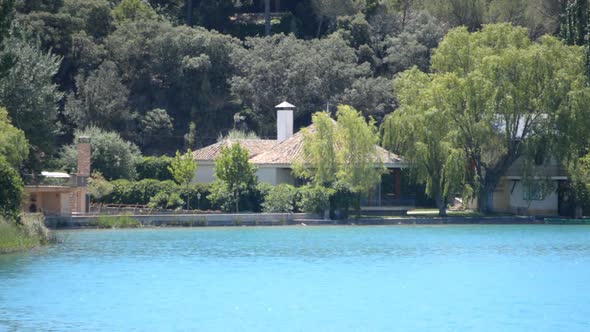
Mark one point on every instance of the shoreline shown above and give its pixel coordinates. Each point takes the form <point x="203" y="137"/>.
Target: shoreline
<point x="277" y="220"/>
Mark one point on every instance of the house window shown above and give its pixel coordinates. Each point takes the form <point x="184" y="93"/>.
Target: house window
<point x="533" y="191"/>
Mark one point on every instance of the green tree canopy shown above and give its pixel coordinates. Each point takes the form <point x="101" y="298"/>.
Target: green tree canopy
<point x="342" y="151"/>
<point x="14" y="147"/>
<point x="501" y="94"/>
<point x="420" y="131"/>
<point x="101" y="101"/>
<point x="132" y="10"/>
<point x="11" y="190"/>
<point x="234" y="175"/>
<point x="268" y="72"/>
<point x="183" y="169"/>
<point x="30" y="95"/>
<point x="111" y="155"/>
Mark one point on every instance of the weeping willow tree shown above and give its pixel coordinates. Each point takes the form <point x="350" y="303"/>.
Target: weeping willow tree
<point x="496" y="95"/>
<point x="420" y="131"/>
<point x="575" y="25"/>
<point x="341" y="152"/>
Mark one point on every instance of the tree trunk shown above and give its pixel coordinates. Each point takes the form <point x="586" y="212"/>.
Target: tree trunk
<point x="188" y="198"/>
<point x="267" y="17"/>
<point x="358" y="206"/>
<point x="485" y="200"/>
<point x="442" y="205"/>
<point x="189" y="12"/>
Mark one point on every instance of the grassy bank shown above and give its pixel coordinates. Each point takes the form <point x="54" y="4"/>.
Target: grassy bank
<point x="30" y="232"/>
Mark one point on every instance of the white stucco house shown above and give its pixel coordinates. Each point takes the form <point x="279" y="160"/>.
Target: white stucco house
<point x="274" y="159"/>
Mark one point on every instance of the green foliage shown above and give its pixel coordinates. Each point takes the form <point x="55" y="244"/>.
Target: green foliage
<point x="29" y="94"/>
<point x="117" y="222"/>
<point x="138" y="192"/>
<point x="281" y="198"/>
<point x="132" y="10"/>
<point x="101" y="101"/>
<point x="496" y="91"/>
<point x="14" y="146"/>
<point x="320" y="163"/>
<point x="183" y="168"/>
<point x="235" y="134"/>
<point x="164" y="200"/>
<point x="235" y="177"/>
<point x="424" y="136"/>
<point x="30" y="232"/>
<point x="189" y="194"/>
<point x="98" y="187"/>
<point x="268" y="71"/>
<point x="112" y="156"/>
<point x="579" y="182"/>
<point x="6" y="17"/>
<point x="315" y="199"/>
<point x="343" y="151"/>
<point x="156" y="126"/>
<point x="360" y="166"/>
<point x="11" y="190"/>
<point x="154" y="168"/>
<point x="177" y="68"/>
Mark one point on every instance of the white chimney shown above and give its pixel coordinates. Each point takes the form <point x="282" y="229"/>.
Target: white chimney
<point x="284" y="121"/>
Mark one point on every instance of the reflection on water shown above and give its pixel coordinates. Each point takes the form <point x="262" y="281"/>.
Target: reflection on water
<point x="508" y="278"/>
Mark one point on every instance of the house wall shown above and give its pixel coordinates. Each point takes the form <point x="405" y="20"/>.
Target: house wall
<point x="509" y="198"/>
<point x="50" y="202"/>
<point x="204" y="173"/>
<point x="267" y="175"/>
<point x="284" y="175"/>
<point x="547" y="206"/>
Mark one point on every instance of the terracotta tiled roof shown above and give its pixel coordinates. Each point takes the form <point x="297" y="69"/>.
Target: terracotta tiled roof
<point x="254" y="147"/>
<point x="291" y="150"/>
<point x="271" y="152"/>
<point x="286" y="152"/>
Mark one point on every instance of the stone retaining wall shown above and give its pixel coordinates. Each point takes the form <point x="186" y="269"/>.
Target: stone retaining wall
<point x="187" y="220"/>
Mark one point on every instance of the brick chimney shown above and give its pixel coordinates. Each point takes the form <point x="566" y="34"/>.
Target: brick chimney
<point x="284" y="121"/>
<point x="83" y="156"/>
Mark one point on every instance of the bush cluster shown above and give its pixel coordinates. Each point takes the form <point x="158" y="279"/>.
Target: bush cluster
<point x="154" y="168"/>
<point x="159" y="194"/>
<point x="283" y="198"/>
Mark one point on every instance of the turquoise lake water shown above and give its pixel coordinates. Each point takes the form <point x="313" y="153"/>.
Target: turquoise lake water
<point x="406" y="278"/>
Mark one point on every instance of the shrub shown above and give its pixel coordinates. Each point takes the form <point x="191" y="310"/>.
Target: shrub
<point x="341" y="200"/>
<point x="221" y="197"/>
<point x="140" y="192"/>
<point x="11" y="190"/>
<point x="28" y="233"/>
<point x="190" y="194"/>
<point x="117" y="222"/>
<point x="280" y="198"/>
<point x="154" y="168"/>
<point x="98" y="187"/>
<point x="111" y="155"/>
<point x="164" y="200"/>
<point x="315" y="199"/>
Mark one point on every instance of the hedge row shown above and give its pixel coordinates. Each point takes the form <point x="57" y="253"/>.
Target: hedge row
<point x="264" y="198"/>
<point x="162" y="194"/>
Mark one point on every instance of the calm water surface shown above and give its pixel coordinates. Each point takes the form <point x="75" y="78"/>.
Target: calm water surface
<point x="455" y="278"/>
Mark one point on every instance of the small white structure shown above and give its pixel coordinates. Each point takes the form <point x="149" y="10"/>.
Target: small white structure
<point x="539" y="196"/>
<point x="284" y="121"/>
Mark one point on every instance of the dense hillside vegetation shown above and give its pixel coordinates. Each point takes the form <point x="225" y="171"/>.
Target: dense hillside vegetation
<point x="151" y="77"/>
<point x="170" y="74"/>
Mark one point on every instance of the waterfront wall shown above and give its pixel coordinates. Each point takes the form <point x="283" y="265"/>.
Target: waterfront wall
<point x="187" y="220"/>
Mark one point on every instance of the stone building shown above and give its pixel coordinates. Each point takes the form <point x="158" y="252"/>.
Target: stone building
<point x="57" y="193"/>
